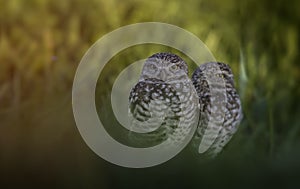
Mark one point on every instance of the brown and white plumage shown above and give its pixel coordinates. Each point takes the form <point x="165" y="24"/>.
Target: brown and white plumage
<point x="163" y="105"/>
<point x="220" y="107"/>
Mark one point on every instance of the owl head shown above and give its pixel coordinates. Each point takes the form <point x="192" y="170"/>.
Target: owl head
<point x="164" y="66"/>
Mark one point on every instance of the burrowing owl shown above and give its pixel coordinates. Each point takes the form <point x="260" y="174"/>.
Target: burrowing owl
<point x="163" y="105"/>
<point x="220" y="107"/>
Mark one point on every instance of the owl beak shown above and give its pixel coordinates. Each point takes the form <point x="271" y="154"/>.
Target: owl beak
<point x="163" y="76"/>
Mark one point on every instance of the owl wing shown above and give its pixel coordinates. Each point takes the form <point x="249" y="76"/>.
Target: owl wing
<point x="153" y="112"/>
<point x="220" y="106"/>
<point x="139" y="100"/>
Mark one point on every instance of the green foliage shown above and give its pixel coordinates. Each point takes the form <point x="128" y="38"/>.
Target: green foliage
<point x="42" y="43"/>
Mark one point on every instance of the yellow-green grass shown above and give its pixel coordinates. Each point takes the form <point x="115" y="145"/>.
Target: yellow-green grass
<point x="42" y="43"/>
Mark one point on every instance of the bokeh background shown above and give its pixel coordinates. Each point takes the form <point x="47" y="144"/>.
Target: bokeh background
<point x="42" y="43"/>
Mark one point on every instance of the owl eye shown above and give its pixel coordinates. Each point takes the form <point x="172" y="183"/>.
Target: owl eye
<point x="174" y="67"/>
<point x="152" y="67"/>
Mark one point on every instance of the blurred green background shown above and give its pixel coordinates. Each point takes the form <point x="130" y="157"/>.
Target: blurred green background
<point x="42" y="43"/>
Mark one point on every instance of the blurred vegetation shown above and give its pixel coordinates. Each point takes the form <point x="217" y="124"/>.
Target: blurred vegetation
<point x="42" y="43"/>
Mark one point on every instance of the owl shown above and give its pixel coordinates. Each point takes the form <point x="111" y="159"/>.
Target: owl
<point x="163" y="105"/>
<point x="220" y="107"/>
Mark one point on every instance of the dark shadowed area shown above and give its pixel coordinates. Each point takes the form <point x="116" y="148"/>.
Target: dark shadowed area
<point x="42" y="43"/>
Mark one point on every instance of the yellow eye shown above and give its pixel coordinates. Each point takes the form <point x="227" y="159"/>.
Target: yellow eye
<point x="152" y="67"/>
<point x="175" y="67"/>
<point x="220" y="75"/>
